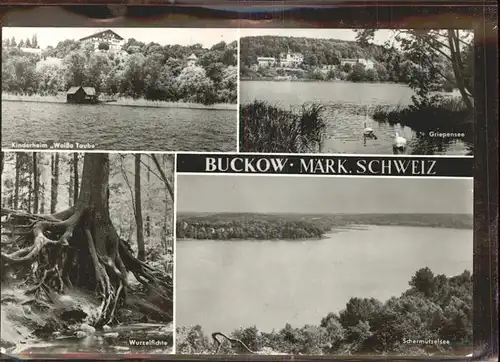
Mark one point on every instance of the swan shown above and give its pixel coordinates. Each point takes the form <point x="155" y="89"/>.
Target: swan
<point x="368" y="131"/>
<point x="399" y="142"/>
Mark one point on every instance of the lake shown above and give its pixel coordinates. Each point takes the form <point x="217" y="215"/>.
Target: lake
<point x="345" y="114"/>
<point x="112" y="127"/>
<point x="224" y="285"/>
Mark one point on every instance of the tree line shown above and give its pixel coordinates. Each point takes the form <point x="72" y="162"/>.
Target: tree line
<point x="244" y="226"/>
<point x="149" y="71"/>
<point x="251" y="229"/>
<point x="23" y="43"/>
<point x="435" y="307"/>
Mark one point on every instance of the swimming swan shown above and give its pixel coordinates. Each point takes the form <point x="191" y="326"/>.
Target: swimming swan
<point x="399" y="142"/>
<point x="368" y="131"/>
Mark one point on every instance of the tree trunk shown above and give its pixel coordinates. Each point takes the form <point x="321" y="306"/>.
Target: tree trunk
<point x="75" y="177"/>
<point x="138" y="209"/>
<point x="16" y="185"/>
<point x="456" y="62"/>
<point x="54" y="183"/>
<point x="148" y="218"/>
<point x="36" y="183"/>
<point x="71" y="198"/>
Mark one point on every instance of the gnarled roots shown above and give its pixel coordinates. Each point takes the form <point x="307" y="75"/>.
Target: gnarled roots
<point x="76" y="248"/>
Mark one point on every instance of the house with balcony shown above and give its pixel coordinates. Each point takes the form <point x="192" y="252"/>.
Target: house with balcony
<point x="114" y="41"/>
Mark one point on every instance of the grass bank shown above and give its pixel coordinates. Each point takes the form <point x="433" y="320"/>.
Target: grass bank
<point x="268" y="128"/>
<point x="122" y="101"/>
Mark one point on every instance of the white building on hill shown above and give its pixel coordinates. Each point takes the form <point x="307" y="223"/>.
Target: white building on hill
<point x="266" y="61"/>
<point x="291" y="60"/>
<point x="109" y="37"/>
<point x="369" y="64"/>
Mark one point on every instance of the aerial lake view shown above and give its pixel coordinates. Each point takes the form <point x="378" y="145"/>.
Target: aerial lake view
<point x="269" y="282"/>
<point x="116" y="127"/>
<point x="345" y="104"/>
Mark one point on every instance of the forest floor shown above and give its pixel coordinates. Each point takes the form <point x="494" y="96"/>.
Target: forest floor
<point x="122" y="101"/>
<point x="68" y="327"/>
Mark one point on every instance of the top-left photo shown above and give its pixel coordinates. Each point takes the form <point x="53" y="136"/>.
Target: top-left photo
<point x="154" y="89"/>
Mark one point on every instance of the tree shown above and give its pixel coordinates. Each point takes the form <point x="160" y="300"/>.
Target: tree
<point x="34" y="41"/>
<point x="54" y="182"/>
<point x="103" y="46"/>
<point x="138" y="208"/>
<point x="75" y="63"/>
<point x="75" y="177"/>
<point x="16" y="189"/>
<point x="428" y="50"/>
<point x="36" y="183"/>
<point x="80" y="248"/>
<point x="13" y="42"/>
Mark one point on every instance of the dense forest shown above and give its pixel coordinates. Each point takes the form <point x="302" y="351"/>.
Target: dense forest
<point x="391" y="64"/>
<point x="435" y="307"/>
<point x="86" y="242"/>
<point x="150" y="71"/>
<point x="234" y="226"/>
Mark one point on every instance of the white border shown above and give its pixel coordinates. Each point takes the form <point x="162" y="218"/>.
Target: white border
<point x="239" y="154"/>
<point x="174" y="299"/>
<point x="320" y="175"/>
<point x="238" y="93"/>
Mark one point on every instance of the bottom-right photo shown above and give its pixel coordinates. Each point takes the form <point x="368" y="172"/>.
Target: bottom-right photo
<point x="310" y="265"/>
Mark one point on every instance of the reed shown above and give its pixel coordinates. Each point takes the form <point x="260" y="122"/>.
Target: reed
<point x="268" y="128"/>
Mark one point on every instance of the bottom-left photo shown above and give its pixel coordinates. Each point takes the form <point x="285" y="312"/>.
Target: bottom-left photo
<point x="87" y="253"/>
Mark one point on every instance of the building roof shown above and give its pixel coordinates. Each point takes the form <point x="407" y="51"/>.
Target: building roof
<point x="90" y="91"/>
<point x="102" y="32"/>
<point x="266" y="58"/>
<point x="192" y="57"/>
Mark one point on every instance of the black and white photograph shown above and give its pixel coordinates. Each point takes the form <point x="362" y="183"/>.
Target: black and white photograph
<point x="138" y="89"/>
<point x="324" y="265"/>
<point x="87" y="253"/>
<point x="357" y="91"/>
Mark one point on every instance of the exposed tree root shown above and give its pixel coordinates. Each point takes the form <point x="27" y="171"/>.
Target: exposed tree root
<point x="218" y="342"/>
<point x="78" y="248"/>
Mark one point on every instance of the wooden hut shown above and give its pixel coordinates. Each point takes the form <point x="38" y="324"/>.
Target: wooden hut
<point x="81" y="95"/>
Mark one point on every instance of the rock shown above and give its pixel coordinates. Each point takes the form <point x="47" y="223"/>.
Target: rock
<point x="56" y="334"/>
<point x="106" y="328"/>
<point x="81" y="334"/>
<point x="87" y="329"/>
<point x="111" y="335"/>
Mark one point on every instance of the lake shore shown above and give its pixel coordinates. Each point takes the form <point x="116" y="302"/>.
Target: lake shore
<point x="124" y="102"/>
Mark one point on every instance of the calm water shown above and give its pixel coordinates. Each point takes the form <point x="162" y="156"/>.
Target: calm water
<point x="345" y="114"/>
<point x="224" y="285"/>
<point x="120" y="128"/>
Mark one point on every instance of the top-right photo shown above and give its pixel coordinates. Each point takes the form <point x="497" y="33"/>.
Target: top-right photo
<point x="357" y="91"/>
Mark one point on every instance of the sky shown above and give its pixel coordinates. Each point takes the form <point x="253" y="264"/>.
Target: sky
<point x="381" y="36"/>
<point x="163" y="36"/>
<point x="272" y="194"/>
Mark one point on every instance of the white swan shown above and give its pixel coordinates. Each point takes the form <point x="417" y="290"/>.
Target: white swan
<point x="399" y="142"/>
<point x="368" y="131"/>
